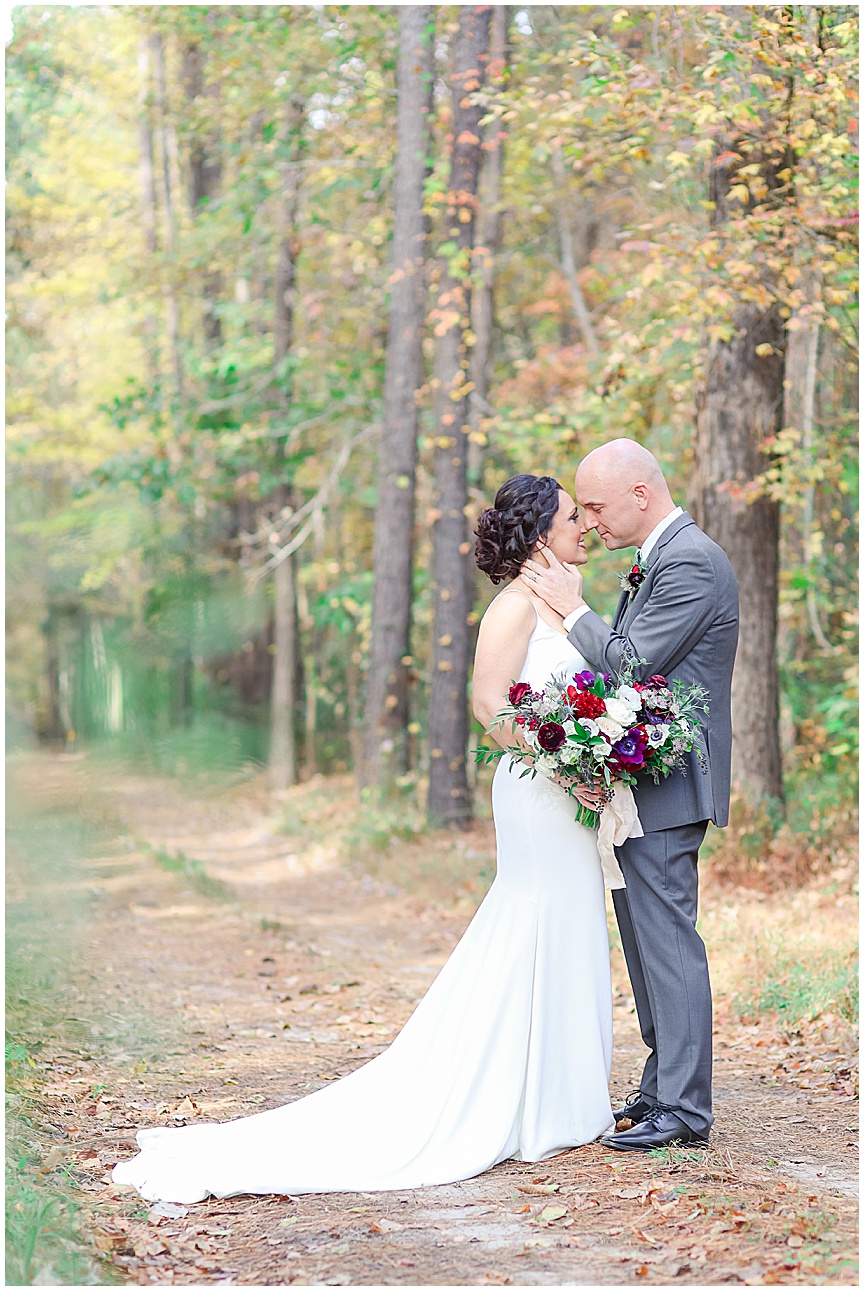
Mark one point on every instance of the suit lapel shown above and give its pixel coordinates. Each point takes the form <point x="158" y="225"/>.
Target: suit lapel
<point x="622" y="606"/>
<point x="627" y="604"/>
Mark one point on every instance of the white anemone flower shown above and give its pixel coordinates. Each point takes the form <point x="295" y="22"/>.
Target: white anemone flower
<point x="629" y="695"/>
<point x="658" y="735"/>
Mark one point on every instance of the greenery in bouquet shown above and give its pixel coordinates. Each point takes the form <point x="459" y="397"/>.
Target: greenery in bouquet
<point x="592" y="730"/>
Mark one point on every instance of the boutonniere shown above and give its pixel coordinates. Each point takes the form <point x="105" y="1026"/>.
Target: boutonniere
<point x="634" y="578"/>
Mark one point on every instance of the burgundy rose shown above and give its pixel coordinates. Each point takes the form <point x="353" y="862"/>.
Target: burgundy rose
<point x="657" y="680"/>
<point x="551" y="736"/>
<point x="519" y="691"/>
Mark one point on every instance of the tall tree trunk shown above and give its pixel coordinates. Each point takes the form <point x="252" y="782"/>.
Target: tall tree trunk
<point x="387" y="708"/>
<point x="205" y="177"/>
<point x="55" y="729"/>
<point x="148" y="193"/>
<point x="285" y="285"/>
<point x="799" y="411"/>
<point x="282" y="769"/>
<point x="449" y="797"/>
<point x="490" y="238"/>
<point x="740" y="409"/>
<point x="172" y="311"/>
<point x="283" y="757"/>
<point x="568" y="257"/>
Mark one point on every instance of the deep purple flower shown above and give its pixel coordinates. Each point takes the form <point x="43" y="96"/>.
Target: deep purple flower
<point x="584" y="680"/>
<point x="630" y="749"/>
<point x="551" y="736"/>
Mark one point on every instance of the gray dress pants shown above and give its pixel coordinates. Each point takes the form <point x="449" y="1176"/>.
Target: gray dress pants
<point x="668" y="968"/>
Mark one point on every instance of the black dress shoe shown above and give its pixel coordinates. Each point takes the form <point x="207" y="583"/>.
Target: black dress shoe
<point x="635" y="1109"/>
<point x="658" y="1129"/>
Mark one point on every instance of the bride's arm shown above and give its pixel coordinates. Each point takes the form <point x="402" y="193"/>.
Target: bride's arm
<point x="502" y="645"/>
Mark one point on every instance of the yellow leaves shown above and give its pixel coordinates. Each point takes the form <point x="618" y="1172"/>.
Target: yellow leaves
<point x="719" y="332"/>
<point x="764" y="350"/>
<point x="739" y="193"/>
<point x="677" y="160"/>
<point x="706" y="115"/>
<point x="651" y="273"/>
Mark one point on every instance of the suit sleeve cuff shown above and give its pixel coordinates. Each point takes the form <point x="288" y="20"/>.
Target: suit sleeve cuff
<point x="575" y="617"/>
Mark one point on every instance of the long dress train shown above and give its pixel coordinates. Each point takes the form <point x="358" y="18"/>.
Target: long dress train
<point x="506" y="1056"/>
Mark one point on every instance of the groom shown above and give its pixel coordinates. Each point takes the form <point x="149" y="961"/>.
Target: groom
<point x="679" y="613"/>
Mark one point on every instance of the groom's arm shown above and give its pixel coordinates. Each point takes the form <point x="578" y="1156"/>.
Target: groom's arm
<point x="680" y="606"/>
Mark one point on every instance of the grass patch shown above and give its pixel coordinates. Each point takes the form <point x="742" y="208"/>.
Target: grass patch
<point x="799" y="989"/>
<point x="193" y="872"/>
<point x="45" y="1245"/>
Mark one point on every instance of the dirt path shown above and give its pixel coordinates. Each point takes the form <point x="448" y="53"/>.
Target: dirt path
<point x="226" y="967"/>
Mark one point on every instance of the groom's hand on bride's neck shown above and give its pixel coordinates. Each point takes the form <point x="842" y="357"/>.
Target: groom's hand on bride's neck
<point x="559" y="585"/>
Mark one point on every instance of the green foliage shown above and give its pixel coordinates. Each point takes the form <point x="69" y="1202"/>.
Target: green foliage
<point x="797" y="988"/>
<point x="192" y="871"/>
<point x="44" y="1242"/>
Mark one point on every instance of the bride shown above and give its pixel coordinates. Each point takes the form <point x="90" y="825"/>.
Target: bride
<point x="508" y="1054"/>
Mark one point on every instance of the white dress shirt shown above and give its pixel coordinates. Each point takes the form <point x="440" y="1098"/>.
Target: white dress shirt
<point x="641" y="555"/>
<point x="654" y="536"/>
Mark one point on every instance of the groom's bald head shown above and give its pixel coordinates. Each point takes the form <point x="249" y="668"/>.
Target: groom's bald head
<point x="622" y="492"/>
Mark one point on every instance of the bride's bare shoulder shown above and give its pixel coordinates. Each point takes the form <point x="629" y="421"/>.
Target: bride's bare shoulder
<point x="511" y="609"/>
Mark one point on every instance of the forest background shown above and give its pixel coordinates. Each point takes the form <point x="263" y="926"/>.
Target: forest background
<point x="293" y="289"/>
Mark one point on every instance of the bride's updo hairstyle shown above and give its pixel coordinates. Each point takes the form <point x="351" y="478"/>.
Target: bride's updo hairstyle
<point x="507" y="533"/>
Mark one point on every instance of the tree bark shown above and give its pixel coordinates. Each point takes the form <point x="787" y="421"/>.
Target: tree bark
<point x="799" y="409"/>
<point x="148" y="195"/>
<point x="449" y="800"/>
<point x="490" y="239"/>
<point x="387" y="697"/>
<point x="145" y="148"/>
<point x="739" y="410"/>
<point x="172" y="312"/>
<point x="283" y="758"/>
<point x="568" y="257"/>
<point x="282" y="768"/>
<point x="205" y="178"/>
<point x="285" y="285"/>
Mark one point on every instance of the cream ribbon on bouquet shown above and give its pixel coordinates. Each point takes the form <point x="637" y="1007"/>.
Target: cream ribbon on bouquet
<point x="619" y="820"/>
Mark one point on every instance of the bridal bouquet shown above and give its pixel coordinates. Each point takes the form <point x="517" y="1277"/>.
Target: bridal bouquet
<point x="589" y="730"/>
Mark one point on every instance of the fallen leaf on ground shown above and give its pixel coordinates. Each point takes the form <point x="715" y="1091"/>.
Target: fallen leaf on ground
<point x="385" y="1226"/>
<point x="549" y="1214"/>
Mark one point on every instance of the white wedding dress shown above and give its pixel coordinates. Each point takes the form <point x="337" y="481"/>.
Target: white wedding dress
<point x="506" y="1056"/>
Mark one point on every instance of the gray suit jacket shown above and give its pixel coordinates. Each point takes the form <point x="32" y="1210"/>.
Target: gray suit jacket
<point x="684" y="621"/>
